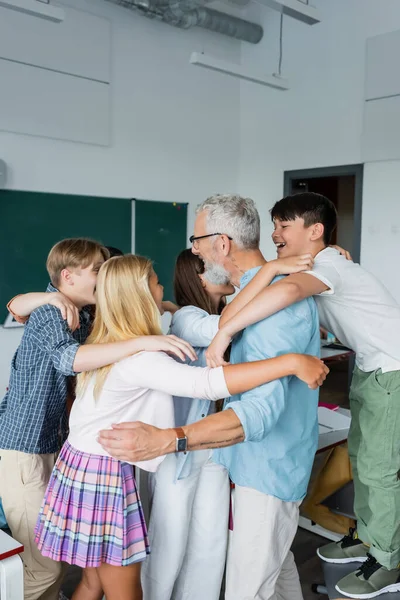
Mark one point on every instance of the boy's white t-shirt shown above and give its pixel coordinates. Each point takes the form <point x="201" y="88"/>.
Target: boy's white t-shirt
<point x="140" y="388"/>
<point x="359" y="311"/>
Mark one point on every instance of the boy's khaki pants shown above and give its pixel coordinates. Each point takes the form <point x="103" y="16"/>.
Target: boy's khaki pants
<point x="23" y="482"/>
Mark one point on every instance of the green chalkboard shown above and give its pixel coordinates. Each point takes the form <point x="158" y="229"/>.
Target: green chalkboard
<point x="33" y="222"/>
<point x="160" y="234"/>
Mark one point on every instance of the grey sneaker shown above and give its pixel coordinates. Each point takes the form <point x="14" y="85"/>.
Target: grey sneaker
<point x="370" y="581"/>
<point x="348" y="549"/>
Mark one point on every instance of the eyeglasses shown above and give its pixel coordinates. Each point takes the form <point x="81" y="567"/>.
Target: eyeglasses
<point x="193" y="239"/>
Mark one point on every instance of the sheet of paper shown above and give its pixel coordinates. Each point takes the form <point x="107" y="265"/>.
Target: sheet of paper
<point x="323" y="429"/>
<point x="332" y="420"/>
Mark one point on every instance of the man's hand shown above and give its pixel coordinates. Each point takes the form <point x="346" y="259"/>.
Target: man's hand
<point x="216" y="350"/>
<point x="342" y="251"/>
<point x="68" y="310"/>
<point x="135" y="442"/>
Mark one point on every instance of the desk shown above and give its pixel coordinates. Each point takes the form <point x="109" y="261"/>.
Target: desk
<point x="11" y="568"/>
<point x="330" y="354"/>
<point x="326" y="441"/>
<point x="333" y="438"/>
<point x="329" y="440"/>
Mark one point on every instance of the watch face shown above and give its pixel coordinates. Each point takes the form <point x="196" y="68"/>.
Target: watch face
<point x="181" y="444"/>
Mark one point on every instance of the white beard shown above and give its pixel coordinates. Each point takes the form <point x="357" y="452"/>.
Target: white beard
<point x="216" y="273"/>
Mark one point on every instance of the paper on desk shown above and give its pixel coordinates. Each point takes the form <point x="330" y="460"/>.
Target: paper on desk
<point x="329" y="420"/>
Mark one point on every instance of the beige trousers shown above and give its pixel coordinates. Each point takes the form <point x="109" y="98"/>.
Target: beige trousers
<point x="23" y="482"/>
<point x="260" y="564"/>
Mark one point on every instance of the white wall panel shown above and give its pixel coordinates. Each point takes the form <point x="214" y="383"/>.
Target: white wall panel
<point x="45" y="103"/>
<point x="80" y="45"/>
<point x="382" y="70"/>
<point x="381" y="135"/>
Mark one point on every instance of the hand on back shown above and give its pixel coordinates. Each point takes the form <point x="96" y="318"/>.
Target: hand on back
<point x="342" y="251"/>
<point x="311" y="370"/>
<point x="69" y="311"/>
<point x="294" y="264"/>
<point x="170" y="344"/>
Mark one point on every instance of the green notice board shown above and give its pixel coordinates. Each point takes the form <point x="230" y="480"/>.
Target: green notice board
<point x="33" y="222"/>
<point x="160" y="234"/>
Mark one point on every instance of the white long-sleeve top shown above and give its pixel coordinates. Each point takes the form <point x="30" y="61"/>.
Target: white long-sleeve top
<point x="196" y="326"/>
<point x="140" y="388"/>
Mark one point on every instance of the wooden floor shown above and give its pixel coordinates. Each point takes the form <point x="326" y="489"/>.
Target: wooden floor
<point x="305" y="543"/>
<point x="304" y="548"/>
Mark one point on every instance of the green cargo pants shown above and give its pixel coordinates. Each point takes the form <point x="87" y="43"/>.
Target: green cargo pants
<point x="374" y="449"/>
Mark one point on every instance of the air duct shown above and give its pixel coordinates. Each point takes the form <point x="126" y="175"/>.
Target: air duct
<point x="194" y="13"/>
<point x="214" y="20"/>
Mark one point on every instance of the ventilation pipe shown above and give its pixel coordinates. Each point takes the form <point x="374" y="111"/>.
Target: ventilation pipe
<point x="194" y="13"/>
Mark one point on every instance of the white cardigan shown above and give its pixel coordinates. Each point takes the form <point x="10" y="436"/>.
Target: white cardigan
<point x="140" y="388"/>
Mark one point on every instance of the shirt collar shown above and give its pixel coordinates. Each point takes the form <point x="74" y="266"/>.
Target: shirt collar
<point x="244" y="280"/>
<point x="85" y="312"/>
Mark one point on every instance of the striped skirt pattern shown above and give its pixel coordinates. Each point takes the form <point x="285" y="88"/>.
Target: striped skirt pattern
<point x="91" y="513"/>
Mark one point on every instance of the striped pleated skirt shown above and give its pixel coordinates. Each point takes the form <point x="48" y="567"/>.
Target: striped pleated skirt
<point x="91" y="513"/>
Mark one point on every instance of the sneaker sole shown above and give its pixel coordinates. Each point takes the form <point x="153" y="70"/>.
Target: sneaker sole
<point x="388" y="589"/>
<point x="341" y="561"/>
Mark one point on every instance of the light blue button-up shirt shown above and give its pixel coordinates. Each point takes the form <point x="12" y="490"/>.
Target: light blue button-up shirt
<point x="197" y="327"/>
<point x="279" y="418"/>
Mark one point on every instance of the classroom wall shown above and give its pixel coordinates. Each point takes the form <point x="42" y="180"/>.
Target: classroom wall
<point x="177" y="132"/>
<point x="319" y="122"/>
<point x="380" y="242"/>
<point x="174" y="131"/>
<point x="174" y="128"/>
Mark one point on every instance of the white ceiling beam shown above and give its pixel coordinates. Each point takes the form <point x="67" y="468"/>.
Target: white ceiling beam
<point x="295" y="8"/>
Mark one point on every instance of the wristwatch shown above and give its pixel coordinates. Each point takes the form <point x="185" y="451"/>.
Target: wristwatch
<point x="181" y="440"/>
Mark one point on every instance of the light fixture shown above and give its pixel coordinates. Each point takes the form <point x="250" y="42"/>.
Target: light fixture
<point x="222" y="66"/>
<point x="297" y="9"/>
<point x="35" y="9"/>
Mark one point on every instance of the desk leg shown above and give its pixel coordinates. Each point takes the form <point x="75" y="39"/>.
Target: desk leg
<point x="306" y="523"/>
<point x="319" y="588"/>
<point x="12" y="578"/>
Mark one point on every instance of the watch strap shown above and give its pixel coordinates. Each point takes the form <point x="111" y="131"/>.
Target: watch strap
<point x="181" y="440"/>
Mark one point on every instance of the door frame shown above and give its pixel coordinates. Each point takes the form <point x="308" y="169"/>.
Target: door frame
<point x="337" y="171"/>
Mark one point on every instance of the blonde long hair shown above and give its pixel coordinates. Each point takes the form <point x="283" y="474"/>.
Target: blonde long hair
<point x="125" y="309"/>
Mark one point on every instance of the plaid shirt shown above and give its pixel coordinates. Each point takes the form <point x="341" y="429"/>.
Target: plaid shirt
<point x="33" y="411"/>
